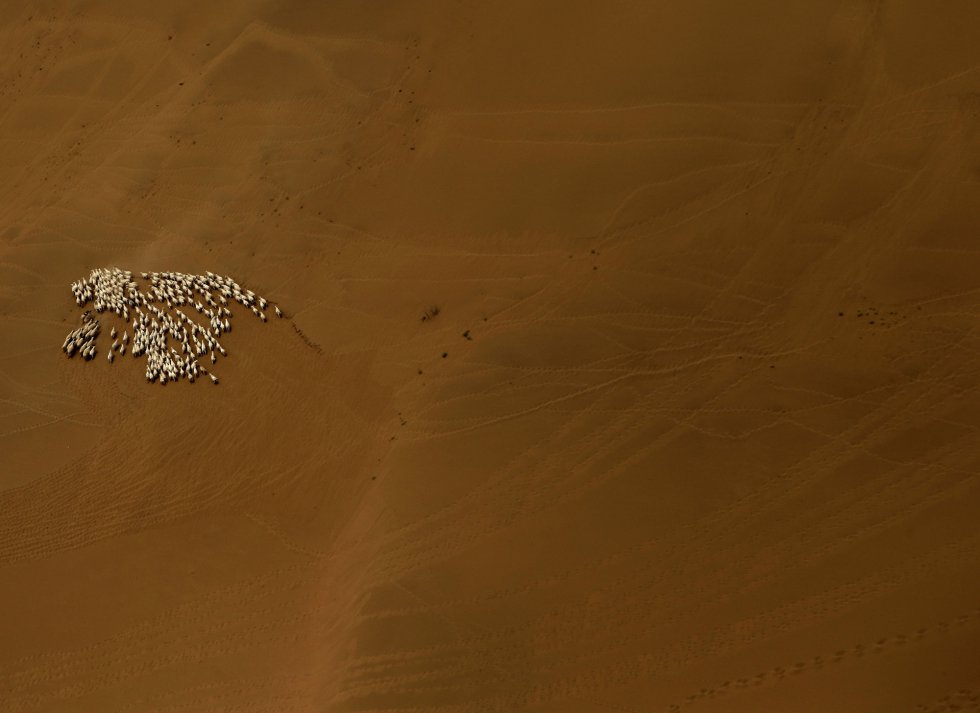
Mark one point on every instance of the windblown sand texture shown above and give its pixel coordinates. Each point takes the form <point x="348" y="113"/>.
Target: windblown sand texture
<point x="630" y="365"/>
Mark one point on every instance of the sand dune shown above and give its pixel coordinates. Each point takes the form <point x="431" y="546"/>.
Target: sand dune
<point x="694" y="427"/>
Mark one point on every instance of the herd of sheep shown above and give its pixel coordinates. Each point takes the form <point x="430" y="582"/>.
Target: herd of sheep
<point x="160" y="313"/>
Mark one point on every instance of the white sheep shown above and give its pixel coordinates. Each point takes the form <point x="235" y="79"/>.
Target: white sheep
<point x="154" y="325"/>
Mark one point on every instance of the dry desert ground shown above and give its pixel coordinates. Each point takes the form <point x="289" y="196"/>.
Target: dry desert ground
<point x="629" y="363"/>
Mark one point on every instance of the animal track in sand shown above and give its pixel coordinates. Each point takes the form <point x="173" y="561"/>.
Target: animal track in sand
<point x="964" y="698"/>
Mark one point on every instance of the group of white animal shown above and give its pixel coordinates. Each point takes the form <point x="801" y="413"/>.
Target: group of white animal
<point x="82" y="340"/>
<point x="115" y="290"/>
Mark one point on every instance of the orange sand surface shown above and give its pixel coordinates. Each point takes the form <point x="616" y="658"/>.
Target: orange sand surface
<point x="709" y="443"/>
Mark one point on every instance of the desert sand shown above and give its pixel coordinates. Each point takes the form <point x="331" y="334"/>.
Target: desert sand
<point x="694" y="427"/>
